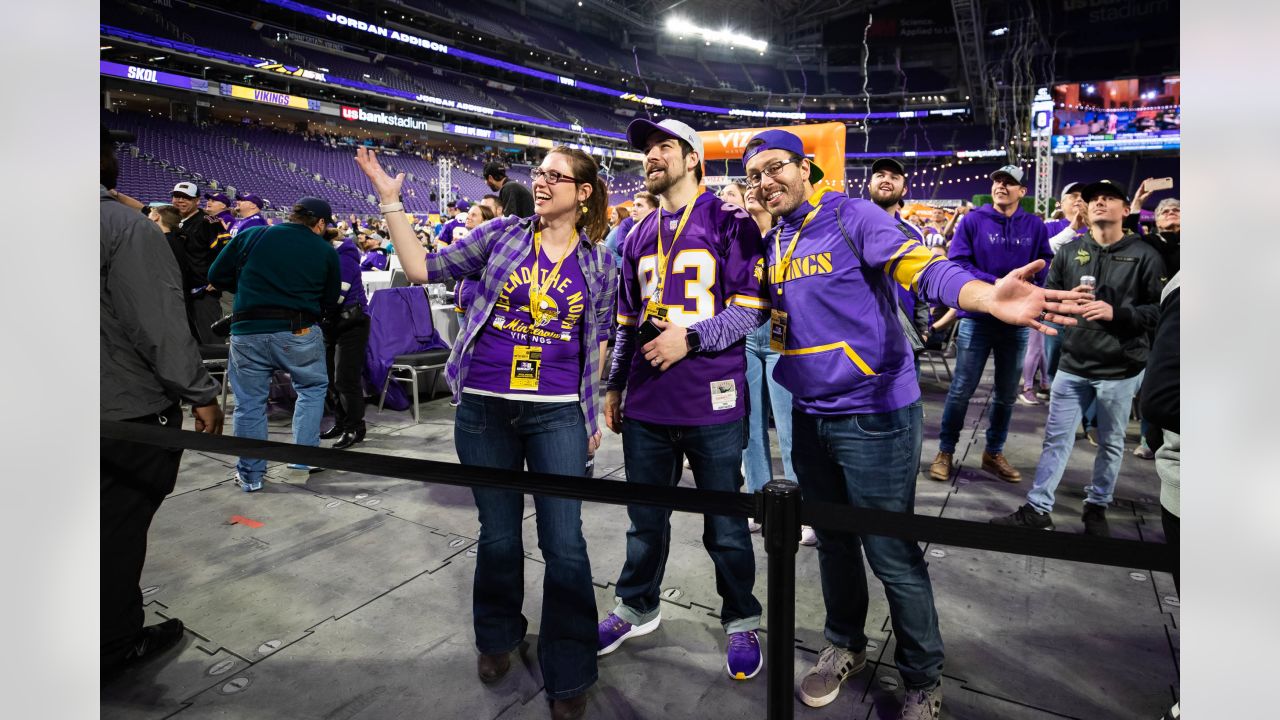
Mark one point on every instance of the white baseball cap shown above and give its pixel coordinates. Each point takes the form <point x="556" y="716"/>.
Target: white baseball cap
<point x="186" y="188"/>
<point x="640" y="129"/>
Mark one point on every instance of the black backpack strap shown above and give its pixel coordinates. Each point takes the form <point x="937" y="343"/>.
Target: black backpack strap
<point x="908" y="328"/>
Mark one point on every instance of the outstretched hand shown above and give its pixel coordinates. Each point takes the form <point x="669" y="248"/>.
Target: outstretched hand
<point x="387" y="187"/>
<point x="1017" y="301"/>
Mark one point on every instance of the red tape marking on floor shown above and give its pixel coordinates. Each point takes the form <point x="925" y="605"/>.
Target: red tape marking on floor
<point x="245" y="521"/>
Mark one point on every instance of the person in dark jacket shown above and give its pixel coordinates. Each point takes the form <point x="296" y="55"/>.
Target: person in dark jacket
<point x="992" y="240"/>
<point x="285" y="277"/>
<point x="346" y="337"/>
<point x="1161" y="395"/>
<point x="148" y="365"/>
<point x="1103" y="357"/>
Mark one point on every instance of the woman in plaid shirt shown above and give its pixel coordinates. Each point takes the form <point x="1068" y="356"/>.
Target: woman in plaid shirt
<point x="525" y="372"/>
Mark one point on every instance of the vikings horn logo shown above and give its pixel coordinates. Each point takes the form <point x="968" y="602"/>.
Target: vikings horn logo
<point x="546" y="312"/>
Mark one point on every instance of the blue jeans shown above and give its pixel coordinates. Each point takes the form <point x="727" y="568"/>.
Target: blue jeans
<point x="652" y="455"/>
<point x="548" y="438"/>
<point x="760" y="363"/>
<point x="871" y="461"/>
<point x="977" y="338"/>
<point x="253" y="360"/>
<point x="1052" y="348"/>
<point x="1070" y="396"/>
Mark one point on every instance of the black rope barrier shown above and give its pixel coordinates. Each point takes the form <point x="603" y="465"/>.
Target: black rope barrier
<point x="779" y="507"/>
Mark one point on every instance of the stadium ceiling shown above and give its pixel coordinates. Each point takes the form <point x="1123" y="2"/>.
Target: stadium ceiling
<point x="779" y="22"/>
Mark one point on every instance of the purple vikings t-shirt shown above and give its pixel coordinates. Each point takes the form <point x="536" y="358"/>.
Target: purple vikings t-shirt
<point x="715" y="263"/>
<point x="512" y="325"/>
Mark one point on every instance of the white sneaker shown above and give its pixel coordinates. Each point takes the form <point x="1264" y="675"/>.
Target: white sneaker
<point x="922" y="704"/>
<point x="821" y="685"/>
<point x="808" y="536"/>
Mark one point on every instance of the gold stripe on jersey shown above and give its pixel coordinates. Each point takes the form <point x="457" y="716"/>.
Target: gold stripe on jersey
<point x="749" y="301"/>
<point x="624" y="320"/>
<point x="842" y="345"/>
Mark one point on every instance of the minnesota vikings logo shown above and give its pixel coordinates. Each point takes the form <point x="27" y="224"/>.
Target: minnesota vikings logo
<point x="759" y="271"/>
<point x="1082" y="256"/>
<point x="546" y="312"/>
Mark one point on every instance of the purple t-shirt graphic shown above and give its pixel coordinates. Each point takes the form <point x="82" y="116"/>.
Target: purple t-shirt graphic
<point x="716" y="262"/>
<point x="555" y="332"/>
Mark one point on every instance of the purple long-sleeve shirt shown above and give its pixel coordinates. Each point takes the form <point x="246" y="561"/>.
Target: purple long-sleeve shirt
<point x="990" y="245"/>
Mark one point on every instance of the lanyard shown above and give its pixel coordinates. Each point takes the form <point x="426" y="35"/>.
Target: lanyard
<point x="538" y="289"/>
<point x="664" y="255"/>
<point x="784" y="261"/>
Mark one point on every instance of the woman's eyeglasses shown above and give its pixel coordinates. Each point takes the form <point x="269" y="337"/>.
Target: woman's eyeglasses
<point x="550" y="176"/>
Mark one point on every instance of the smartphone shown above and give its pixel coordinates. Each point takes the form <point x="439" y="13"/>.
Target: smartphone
<point x="648" y="332"/>
<point x="1160" y="184"/>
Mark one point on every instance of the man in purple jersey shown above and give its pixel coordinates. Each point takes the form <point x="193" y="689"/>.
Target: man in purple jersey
<point x="685" y="270"/>
<point x="992" y="241"/>
<point x="218" y="205"/>
<point x="249" y="208"/>
<point x="459" y="221"/>
<point x="831" y="263"/>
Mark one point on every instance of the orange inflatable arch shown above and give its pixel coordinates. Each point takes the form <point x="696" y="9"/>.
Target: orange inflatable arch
<point x="824" y="142"/>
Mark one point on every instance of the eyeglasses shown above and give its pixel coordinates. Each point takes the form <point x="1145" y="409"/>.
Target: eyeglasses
<point x="550" y="176"/>
<point x="773" y="170"/>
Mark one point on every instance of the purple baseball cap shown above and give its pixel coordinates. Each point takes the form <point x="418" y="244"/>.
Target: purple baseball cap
<point x="256" y="200"/>
<point x="780" y="140"/>
<point x="220" y="197"/>
<point x="463" y="205"/>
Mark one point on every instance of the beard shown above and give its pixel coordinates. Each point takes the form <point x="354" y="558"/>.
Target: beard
<point x="662" y="183"/>
<point x="887" y="200"/>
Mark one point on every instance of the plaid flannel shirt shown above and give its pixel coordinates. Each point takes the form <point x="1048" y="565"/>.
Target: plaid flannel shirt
<point x="494" y="250"/>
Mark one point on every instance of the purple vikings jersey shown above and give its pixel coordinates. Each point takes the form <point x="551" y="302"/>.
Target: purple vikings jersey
<point x="715" y="263"/>
<point x="512" y="325"/>
<point x="373" y="260"/>
<point x="352" y="284"/>
<point x="844" y="351"/>
<point x="245" y="223"/>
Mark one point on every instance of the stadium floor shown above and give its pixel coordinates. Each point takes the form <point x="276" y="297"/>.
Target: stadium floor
<point x="352" y="600"/>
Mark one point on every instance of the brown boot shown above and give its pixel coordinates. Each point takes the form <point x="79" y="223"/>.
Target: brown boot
<point x="998" y="466"/>
<point x="940" y="470"/>
<point x="571" y="709"/>
<point x="491" y="668"/>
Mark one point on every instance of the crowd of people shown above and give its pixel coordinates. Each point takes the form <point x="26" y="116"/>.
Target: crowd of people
<point x="689" y="323"/>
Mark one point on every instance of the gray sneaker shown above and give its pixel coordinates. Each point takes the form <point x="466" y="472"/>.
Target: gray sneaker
<point x="822" y="683"/>
<point x="922" y="704"/>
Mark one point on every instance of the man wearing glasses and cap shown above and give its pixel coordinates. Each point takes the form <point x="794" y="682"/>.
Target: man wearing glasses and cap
<point x="689" y="270"/>
<point x="285" y="277"/>
<point x="991" y="242"/>
<point x="831" y="262"/>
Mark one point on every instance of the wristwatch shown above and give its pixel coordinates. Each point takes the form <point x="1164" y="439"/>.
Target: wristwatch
<point x="693" y="341"/>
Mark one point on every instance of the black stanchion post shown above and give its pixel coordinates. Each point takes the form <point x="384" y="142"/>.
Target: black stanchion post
<point x="781" y="541"/>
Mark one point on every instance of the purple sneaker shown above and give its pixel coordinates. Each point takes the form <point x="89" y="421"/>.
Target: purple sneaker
<point x="743" y="661"/>
<point x="613" y="630"/>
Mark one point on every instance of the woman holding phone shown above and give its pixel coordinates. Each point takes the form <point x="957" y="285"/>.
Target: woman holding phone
<point x="525" y="372"/>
